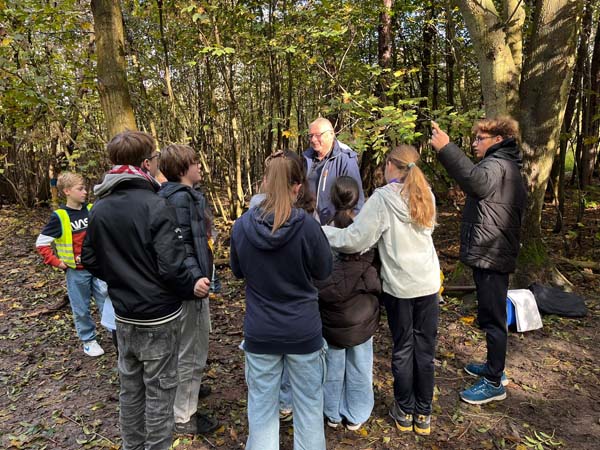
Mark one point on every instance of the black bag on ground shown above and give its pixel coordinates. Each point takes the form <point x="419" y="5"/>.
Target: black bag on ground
<point x="554" y="301"/>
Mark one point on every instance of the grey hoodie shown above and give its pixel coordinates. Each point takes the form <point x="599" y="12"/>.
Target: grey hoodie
<point x="409" y="262"/>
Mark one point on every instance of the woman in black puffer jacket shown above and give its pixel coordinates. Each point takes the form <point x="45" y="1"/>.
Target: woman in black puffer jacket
<point x="350" y="315"/>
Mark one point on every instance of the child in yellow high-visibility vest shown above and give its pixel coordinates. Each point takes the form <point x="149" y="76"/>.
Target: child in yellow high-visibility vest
<point x="66" y="229"/>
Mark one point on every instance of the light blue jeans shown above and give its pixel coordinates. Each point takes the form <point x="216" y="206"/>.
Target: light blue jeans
<point x="348" y="389"/>
<point x="285" y="393"/>
<point x="263" y="377"/>
<point x="81" y="286"/>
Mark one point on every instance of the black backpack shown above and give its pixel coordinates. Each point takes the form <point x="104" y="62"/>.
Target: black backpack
<point x="554" y="301"/>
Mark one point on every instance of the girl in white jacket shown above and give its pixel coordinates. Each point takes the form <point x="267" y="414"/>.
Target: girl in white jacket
<point x="399" y="219"/>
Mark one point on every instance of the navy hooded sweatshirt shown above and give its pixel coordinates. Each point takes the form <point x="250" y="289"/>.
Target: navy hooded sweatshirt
<point x="282" y="308"/>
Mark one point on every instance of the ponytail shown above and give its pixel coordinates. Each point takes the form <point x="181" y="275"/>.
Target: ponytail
<point x="416" y="191"/>
<point x="344" y="197"/>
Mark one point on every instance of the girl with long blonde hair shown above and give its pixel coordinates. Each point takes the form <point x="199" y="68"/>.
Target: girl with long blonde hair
<point x="399" y="218"/>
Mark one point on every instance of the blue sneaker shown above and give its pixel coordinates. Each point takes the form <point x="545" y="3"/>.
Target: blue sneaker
<point x="478" y="370"/>
<point x="482" y="392"/>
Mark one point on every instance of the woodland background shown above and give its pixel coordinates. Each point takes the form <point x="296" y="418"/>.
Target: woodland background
<point x="238" y="79"/>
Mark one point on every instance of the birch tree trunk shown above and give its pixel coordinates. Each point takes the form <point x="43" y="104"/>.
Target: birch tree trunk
<point x="112" y="67"/>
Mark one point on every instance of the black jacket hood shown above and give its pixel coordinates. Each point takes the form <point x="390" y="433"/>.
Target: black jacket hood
<point x="507" y="149"/>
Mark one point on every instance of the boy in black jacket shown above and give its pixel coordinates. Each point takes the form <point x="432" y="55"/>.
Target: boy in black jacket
<point x="134" y="243"/>
<point x="489" y="236"/>
<point x="179" y="165"/>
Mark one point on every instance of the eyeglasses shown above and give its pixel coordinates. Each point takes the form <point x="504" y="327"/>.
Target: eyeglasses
<point x="317" y="135"/>
<point x="153" y="156"/>
<point x="482" y="138"/>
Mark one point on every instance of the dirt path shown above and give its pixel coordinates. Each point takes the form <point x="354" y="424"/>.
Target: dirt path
<point x="54" y="397"/>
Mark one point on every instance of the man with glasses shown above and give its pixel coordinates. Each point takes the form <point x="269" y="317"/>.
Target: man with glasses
<point x="489" y="236"/>
<point x="326" y="159"/>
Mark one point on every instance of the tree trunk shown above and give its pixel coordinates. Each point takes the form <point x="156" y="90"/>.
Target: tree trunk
<point x="494" y="44"/>
<point x="595" y="87"/>
<point x="368" y="164"/>
<point x="587" y="127"/>
<point x="450" y="59"/>
<point x="547" y="72"/>
<point x="112" y="67"/>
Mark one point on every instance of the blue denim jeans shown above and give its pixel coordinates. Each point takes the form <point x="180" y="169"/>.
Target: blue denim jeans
<point x="348" y="389"/>
<point x="148" y="374"/>
<point x="285" y="393"/>
<point x="193" y="352"/>
<point x="263" y="377"/>
<point x="81" y="286"/>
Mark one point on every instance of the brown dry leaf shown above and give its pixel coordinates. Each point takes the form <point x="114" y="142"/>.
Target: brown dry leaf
<point x="468" y="320"/>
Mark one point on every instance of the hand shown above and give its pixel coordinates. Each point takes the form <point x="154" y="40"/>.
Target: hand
<point x="439" y="138"/>
<point x="201" y="287"/>
<point x="62" y="266"/>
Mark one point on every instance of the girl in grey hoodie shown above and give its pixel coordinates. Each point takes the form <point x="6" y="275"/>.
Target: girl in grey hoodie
<point x="399" y="219"/>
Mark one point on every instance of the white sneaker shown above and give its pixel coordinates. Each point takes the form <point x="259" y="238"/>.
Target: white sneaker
<point x="332" y="424"/>
<point x="353" y="426"/>
<point x="92" y="348"/>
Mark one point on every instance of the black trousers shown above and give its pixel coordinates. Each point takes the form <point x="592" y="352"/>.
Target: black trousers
<point x="492" y="288"/>
<point x="413" y="323"/>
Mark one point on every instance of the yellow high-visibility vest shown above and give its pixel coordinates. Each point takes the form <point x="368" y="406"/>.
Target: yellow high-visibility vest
<point x="64" y="244"/>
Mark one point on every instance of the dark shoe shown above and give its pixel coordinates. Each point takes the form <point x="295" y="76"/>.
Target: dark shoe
<point x="204" y="391"/>
<point x="478" y="370"/>
<point x="422" y="424"/>
<point x="403" y="421"/>
<point x="189" y="427"/>
<point x="206" y="424"/>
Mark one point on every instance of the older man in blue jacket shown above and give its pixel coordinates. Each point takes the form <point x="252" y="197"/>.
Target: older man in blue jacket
<point x="326" y="159"/>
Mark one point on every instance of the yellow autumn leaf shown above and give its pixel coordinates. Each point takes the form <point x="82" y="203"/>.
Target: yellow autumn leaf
<point x="468" y="320"/>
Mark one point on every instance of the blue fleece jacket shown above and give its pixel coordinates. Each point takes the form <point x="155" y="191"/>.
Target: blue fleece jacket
<point x="342" y="160"/>
<point x="282" y="309"/>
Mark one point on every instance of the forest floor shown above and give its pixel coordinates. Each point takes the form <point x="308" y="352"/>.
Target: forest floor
<point x="52" y="396"/>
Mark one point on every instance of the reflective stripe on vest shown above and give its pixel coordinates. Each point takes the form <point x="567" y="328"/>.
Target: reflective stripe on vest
<point x="64" y="244"/>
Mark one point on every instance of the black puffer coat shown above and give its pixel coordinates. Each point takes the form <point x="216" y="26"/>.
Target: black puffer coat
<point x="348" y="300"/>
<point x="190" y="207"/>
<point x="496" y="200"/>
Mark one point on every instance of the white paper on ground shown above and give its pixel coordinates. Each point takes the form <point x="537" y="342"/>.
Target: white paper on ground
<point x="526" y="311"/>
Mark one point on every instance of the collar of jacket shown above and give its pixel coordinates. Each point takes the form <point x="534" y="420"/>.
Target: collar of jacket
<point x="137" y="183"/>
<point x="507" y="149"/>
